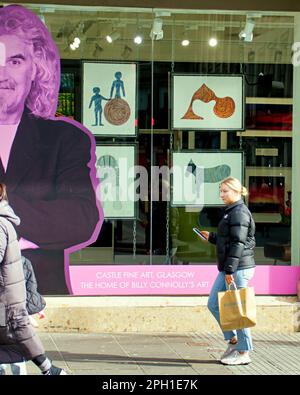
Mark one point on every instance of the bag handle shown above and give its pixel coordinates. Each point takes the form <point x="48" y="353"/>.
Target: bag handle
<point x="234" y="286"/>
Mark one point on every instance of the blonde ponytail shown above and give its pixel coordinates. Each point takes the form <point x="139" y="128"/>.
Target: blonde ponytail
<point x="244" y="191"/>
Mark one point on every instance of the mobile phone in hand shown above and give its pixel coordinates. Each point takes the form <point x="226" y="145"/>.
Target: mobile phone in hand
<point x="197" y="231"/>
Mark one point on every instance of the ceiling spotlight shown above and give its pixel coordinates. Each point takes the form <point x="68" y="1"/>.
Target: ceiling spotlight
<point x="156" y="31"/>
<point x="246" y="34"/>
<point x="138" y="39"/>
<point x="113" y="36"/>
<point x="77" y="41"/>
<point x="75" y="44"/>
<point x="213" y="42"/>
<point x="185" y="41"/>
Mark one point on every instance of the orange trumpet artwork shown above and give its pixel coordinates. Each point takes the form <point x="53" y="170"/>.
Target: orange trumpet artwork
<point x="223" y="108"/>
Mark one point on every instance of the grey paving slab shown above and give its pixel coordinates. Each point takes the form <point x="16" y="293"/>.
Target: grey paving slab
<point x="273" y="353"/>
<point x="166" y="354"/>
<point x="158" y="372"/>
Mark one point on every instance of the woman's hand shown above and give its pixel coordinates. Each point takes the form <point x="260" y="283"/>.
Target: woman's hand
<point x="229" y="278"/>
<point x="205" y="234"/>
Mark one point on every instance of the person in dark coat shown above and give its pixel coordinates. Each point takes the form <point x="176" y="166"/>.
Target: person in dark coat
<point x="235" y="242"/>
<point x="18" y="340"/>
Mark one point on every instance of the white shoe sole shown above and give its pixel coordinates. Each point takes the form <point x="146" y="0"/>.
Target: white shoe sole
<point x="235" y="364"/>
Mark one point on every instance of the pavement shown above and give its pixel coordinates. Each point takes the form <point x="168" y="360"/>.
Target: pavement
<point x="166" y="354"/>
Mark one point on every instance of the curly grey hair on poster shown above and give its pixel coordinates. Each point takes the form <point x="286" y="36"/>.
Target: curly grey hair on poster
<point x="19" y="21"/>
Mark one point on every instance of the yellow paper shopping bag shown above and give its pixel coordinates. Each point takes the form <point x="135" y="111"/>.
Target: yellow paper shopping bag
<point x="237" y="308"/>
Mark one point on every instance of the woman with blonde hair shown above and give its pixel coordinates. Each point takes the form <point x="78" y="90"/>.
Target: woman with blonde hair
<point x="235" y="244"/>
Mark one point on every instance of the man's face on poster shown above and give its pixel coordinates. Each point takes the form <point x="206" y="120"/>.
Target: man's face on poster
<point x="17" y="71"/>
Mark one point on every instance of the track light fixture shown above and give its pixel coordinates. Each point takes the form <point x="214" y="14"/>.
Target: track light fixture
<point x="113" y="36"/>
<point x="156" y="32"/>
<point x="97" y="51"/>
<point x="246" y="34"/>
<point x="75" y="35"/>
<point x="75" y="44"/>
<point x="126" y="52"/>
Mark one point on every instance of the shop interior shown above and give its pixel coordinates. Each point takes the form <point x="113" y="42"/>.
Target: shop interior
<point x="161" y="43"/>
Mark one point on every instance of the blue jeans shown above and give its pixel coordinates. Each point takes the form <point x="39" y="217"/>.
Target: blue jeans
<point x="241" y="278"/>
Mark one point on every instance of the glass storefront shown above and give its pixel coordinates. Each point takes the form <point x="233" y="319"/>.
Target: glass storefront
<point x="136" y="66"/>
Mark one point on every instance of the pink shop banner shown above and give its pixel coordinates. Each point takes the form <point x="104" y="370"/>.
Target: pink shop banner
<point x="173" y="280"/>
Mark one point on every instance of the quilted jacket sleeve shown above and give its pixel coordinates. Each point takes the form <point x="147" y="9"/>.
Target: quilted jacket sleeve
<point x="34" y="300"/>
<point x="239" y="222"/>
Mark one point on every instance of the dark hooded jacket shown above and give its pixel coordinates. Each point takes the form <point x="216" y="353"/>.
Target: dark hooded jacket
<point x="235" y="239"/>
<point x="18" y="339"/>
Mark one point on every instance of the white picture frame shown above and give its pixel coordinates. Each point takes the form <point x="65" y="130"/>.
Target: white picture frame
<point x="207" y="102"/>
<point x="115" y="81"/>
<point x="120" y="183"/>
<point x="213" y="167"/>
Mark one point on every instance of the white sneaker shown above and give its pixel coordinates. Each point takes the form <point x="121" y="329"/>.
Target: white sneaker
<point x="231" y="347"/>
<point x="236" y="358"/>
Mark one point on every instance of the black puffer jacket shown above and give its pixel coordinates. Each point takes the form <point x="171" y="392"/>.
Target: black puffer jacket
<point x="235" y="240"/>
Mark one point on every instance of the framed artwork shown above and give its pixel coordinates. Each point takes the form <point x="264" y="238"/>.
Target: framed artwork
<point x="66" y="96"/>
<point x="266" y="194"/>
<point x="268" y="189"/>
<point x="115" y="171"/>
<point x="207" y="102"/>
<point x="197" y="174"/>
<point x="109" y="98"/>
<point x="269" y="117"/>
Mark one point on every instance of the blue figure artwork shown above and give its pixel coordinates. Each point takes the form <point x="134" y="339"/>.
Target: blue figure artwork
<point x="97" y="100"/>
<point x="117" y="84"/>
